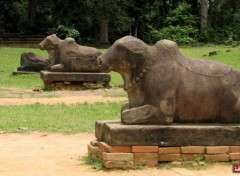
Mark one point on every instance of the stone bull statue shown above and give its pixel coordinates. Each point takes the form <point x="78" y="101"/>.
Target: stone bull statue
<point x="32" y="62"/>
<point x="164" y="86"/>
<point x="67" y="56"/>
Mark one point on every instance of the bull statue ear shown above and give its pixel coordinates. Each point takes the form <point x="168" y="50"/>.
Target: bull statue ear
<point x="55" y="40"/>
<point x="135" y="48"/>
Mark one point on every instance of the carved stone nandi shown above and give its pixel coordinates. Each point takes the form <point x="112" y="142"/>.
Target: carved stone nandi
<point x="164" y="86"/>
<point x="67" y="56"/>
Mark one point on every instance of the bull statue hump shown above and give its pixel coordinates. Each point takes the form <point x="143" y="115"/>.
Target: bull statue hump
<point x="67" y="56"/>
<point x="165" y="87"/>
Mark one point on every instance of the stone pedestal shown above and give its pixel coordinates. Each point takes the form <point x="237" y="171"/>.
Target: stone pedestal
<point x="52" y="77"/>
<point x="123" y="146"/>
<point x="115" y="133"/>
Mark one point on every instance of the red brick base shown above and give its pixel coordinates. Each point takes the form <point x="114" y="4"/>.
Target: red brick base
<point x="127" y="156"/>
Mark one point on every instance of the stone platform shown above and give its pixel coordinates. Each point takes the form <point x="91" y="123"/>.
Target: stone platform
<point x="116" y="134"/>
<point x="51" y="77"/>
<point x="125" y="146"/>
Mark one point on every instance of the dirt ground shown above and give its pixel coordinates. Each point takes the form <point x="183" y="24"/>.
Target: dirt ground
<point x="54" y="154"/>
<point x="14" y="96"/>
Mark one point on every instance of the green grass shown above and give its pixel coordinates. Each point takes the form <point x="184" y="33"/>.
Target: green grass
<point x="57" y="118"/>
<point x="10" y="60"/>
<point x="79" y="117"/>
<point x="95" y="163"/>
<point x="231" y="58"/>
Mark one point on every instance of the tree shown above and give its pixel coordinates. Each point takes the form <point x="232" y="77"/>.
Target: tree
<point x="32" y="8"/>
<point x="204" y="14"/>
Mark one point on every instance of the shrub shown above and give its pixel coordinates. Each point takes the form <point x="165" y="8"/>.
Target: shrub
<point x="180" y="25"/>
<point x="63" y="32"/>
<point x="176" y="33"/>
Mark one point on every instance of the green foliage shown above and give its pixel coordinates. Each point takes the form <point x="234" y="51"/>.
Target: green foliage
<point x="180" y="26"/>
<point x="63" y="32"/>
<point x="177" y="20"/>
<point x="95" y="163"/>
<point x="176" y="33"/>
<point x="165" y="165"/>
<point x="225" y="35"/>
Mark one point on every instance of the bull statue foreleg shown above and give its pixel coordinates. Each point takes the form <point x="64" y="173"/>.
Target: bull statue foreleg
<point x="146" y="114"/>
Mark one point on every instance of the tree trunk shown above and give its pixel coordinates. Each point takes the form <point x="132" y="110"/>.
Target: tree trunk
<point x="135" y="26"/>
<point x="135" y="31"/>
<point x="32" y="8"/>
<point x="204" y="14"/>
<point x="104" y="32"/>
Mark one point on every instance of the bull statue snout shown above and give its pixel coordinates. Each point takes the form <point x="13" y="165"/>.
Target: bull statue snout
<point x="41" y="47"/>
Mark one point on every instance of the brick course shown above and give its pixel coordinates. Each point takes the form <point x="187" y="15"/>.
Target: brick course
<point x="148" y="159"/>
<point x="193" y="149"/>
<point x="169" y="157"/>
<point x="234" y="149"/>
<point x="117" y="156"/>
<point x="169" y="150"/>
<point x="126" y="156"/>
<point x="234" y="156"/>
<point x="118" y="164"/>
<point x="217" y="150"/>
<point x="94" y="143"/>
<point x="114" y="149"/>
<point x="191" y="156"/>
<point x="144" y="149"/>
<point x="217" y="157"/>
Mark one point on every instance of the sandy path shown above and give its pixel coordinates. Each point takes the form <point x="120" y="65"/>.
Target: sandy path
<point x="66" y="100"/>
<point x="50" y="154"/>
<point x="14" y="96"/>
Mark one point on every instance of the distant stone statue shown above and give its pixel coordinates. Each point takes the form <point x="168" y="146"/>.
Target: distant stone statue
<point x="164" y="86"/>
<point x="67" y="56"/>
<point x="31" y="62"/>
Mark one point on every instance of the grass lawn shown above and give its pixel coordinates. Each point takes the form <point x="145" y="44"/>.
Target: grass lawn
<point x="79" y="117"/>
<point x="57" y="118"/>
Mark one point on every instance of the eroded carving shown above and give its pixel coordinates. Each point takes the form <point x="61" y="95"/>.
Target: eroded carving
<point x="163" y="86"/>
<point x="67" y="56"/>
<point x="31" y="62"/>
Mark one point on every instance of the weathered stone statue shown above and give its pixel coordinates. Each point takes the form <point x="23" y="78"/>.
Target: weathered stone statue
<point x="164" y="86"/>
<point x="67" y="56"/>
<point x="32" y="62"/>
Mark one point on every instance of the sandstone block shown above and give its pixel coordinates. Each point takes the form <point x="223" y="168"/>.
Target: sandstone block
<point x="146" y="159"/>
<point x="193" y="149"/>
<point x="190" y="156"/>
<point x="217" y="150"/>
<point x="92" y="151"/>
<point x="114" y="149"/>
<point x="234" y="156"/>
<point x="169" y="157"/>
<point x="144" y="149"/>
<point x="234" y="149"/>
<point x="117" y="156"/>
<point x="94" y="143"/>
<point x="118" y="164"/>
<point x="217" y="157"/>
<point x="169" y="150"/>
